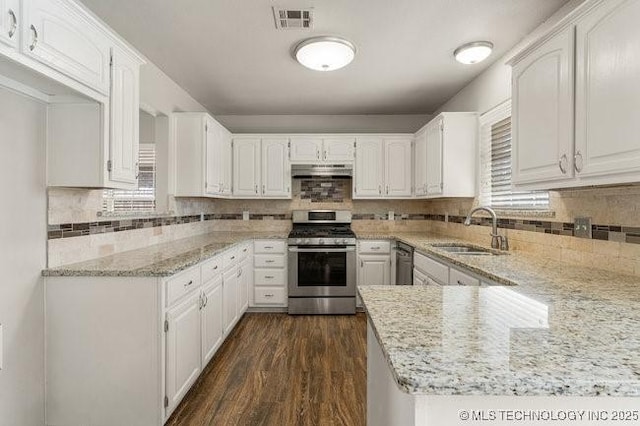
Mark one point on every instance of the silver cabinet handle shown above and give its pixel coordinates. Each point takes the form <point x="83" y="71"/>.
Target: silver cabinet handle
<point x="375" y="248"/>
<point x="201" y="302"/>
<point x="206" y="300"/>
<point x="188" y="284"/>
<point x="562" y="163"/>
<point x="460" y="283"/>
<point x="268" y="295"/>
<point x="269" y="261"/>
<point x="263" y="188"/>
<point x="379" y="189"/>
<point x="137" y="170"/>
<point x="35" y="38"/>
<point x="268" y="247"/>
<point x="269" y="277"/>
<point x="239" y="272"/>
<point x="325" y="154"/>
<point x="256" y="188"/>
<point x="215" y="267"/>
<point x="387" y="189"/>
<point x="362" y="264"/>
<point x="233" y="257"/>
<point x="244" y="250"/>
<point x="14" y="23"/>
<point x="575" y="161"/>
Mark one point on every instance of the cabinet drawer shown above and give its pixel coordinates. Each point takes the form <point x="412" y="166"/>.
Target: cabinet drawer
<point x="210" y="268"/>
<point x="269" y="261"/>
<point x="182" y="284"/>
<point x="375" y="246"/>
<point x="270" y="295"/>
<point x="270" y="277"/>
<point x="460" y="278"/>
<point x="230" y="258"/>
<point x="432" y="268"/>
<point x="269" y="246"/>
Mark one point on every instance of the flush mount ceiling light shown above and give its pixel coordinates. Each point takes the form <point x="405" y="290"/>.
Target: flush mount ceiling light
<point x="472" y="53"/>
<point x="325" y="53"/>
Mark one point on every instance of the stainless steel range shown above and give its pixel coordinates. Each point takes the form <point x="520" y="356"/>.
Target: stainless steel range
<point x="322" y="263"/>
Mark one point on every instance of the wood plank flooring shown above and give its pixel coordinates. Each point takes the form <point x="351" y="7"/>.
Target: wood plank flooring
<point x="277" y="369"/>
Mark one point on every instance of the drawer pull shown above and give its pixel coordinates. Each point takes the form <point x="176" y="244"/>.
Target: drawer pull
<point x="375" y="248"/>
<point x="215" y="267"/>
<point x="34" y="32"/>
<point x="244" y="250"/>
<point x="233" y="257"/>
<point x="269" y="261"/>
<point x="268" y="247"/>
<point x="14" y="23"/>
<point x="269" y="295"/>
<point x="188" y="284"/>
<point x="461" y="283"/>
<point x="269" y="277"/>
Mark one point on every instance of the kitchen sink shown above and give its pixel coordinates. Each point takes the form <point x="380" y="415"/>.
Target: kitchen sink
<point x="467" y="250"/>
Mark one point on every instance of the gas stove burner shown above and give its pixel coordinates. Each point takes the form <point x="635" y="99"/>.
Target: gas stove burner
<point x="321" y="227"/>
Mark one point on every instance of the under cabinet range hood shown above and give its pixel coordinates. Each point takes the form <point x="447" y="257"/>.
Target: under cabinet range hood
<point x="336" y="171"/>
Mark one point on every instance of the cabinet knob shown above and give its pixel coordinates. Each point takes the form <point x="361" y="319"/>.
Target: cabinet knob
<point x="188" y="284"/>
<point x="34" y="32"/>
<point x="578" y="162"/>
<point x="14" y="23"/>
<point x="562" y="163"/>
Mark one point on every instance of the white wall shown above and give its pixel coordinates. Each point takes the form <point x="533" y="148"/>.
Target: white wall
<point x="373" y="123"/>
<point x="493" y="86"/>
<point x="22" y="258"/>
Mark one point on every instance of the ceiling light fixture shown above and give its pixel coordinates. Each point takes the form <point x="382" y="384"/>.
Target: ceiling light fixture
<point x="472" y="53"/>
<point x="325" y="53"/>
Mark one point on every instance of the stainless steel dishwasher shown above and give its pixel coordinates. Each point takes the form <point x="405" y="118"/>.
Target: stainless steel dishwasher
<point x="404" y="264"/>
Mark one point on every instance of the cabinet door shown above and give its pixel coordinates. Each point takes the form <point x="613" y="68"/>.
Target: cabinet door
<point x="397" y="167"/>
<point x="542" y="110"/>
<point x="246" y="167"/>
<point x="214" y="157"/>
<point x="434" y="157"/>
<point x="9" y="16"/>
<point x="607" y="90"/>
<point x="420" y="164"/>
<point x="58" y="35"/>
<point x="230" y="299"/>
<point x="338" y="150"/>
<point x="125" y="112"/>
<point x="375" y="270"/>
<point x="276" y="172"/>
<point x="244" y="283"/>
<point x="306" y="150"/>
<point x="211" y="318"/>
<point x="183" y="349"/>
<point x="227" y="161"/>
<point x="368" y="168"/>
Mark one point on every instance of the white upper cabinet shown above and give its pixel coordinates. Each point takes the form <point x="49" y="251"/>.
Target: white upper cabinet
<point x="261" y="167"/>
<point x="57" y="34"/>
<point x="9" y="23"/>
<point x="446" y="155"/>
<point x="246" y="167"/>
<point x="369" y="168"/>
<point x="276" y="172"/>
<point x="601" y="102"/>
<point x="203" y="156"/>
<point x="542" y="102"/>
<point x="383" y="167"/>
<point x="420" y="163"/>
<point x="125" y="117"/>
<point x="306" y="149"/>
<point x="397" y="169"/>
<point x="607" y="91"/>
<point x="321" y="149"/>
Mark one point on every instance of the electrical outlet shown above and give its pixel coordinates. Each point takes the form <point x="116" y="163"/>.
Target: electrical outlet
<point x="582" y="227"/>
<point x="391" y="215"/>
<point x="245" y="215"/>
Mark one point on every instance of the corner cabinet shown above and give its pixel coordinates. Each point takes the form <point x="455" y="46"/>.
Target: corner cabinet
<point x="383" y="167"/>
<point x="203" y="156"/>
<point x="261" y="167"/>
<point x="601" y="103"/>
<point x="445" y="156"/>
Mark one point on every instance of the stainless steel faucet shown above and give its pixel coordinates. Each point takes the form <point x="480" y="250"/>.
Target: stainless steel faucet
<point x="497" y="241"/>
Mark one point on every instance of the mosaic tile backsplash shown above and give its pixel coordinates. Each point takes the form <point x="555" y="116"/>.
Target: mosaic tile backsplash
<point x="323" y="190"/>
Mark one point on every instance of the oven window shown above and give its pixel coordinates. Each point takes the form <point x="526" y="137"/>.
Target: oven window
<point x="322" y="269"/>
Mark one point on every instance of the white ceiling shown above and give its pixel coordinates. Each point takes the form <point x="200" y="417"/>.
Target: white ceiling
<point x="230" y="57"/>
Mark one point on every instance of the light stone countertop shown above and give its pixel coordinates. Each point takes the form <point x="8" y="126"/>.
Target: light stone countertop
<point x="160" y="260"/>
<point x="556" y="329"/>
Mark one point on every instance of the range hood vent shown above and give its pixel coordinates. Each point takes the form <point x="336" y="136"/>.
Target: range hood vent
<point x="336" y="171"/>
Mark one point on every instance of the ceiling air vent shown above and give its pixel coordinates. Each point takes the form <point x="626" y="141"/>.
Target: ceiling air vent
<point x="287" y="19"/>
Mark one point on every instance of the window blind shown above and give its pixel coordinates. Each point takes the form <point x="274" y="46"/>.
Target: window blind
<point x="141" y="199"/>
<point x="496" y="167"/>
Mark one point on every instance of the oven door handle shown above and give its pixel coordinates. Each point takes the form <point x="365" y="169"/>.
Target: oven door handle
<point x="321" y="250"/>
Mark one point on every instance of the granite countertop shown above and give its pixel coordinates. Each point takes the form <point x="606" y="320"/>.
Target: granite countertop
<point x="160" y="260"/>
<point x="557" y="329"/>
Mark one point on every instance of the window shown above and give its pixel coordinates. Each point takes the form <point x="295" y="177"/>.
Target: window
<point x="142" y="199"/>
<point x="495" y="165"/>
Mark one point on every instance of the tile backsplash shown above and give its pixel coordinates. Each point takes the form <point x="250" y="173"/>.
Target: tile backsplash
<point x="324" y="190"/>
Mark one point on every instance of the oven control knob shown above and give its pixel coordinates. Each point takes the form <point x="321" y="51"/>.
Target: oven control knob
<point x="299" y="241"/>
<point x="345" y="241"/>
<point x="321" y="241"/>
<point x="337" y="241"/>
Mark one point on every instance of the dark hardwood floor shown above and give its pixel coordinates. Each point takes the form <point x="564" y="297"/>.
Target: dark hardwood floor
<point x="276" y="369"/>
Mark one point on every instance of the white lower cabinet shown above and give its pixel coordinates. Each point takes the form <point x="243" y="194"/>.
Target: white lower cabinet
<point x="172" y="326"/>
<point x="374" y="263"/>
<point x="211" y="318"/>
<point x="269" y="286"/>
<point x="183" y="339"/>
